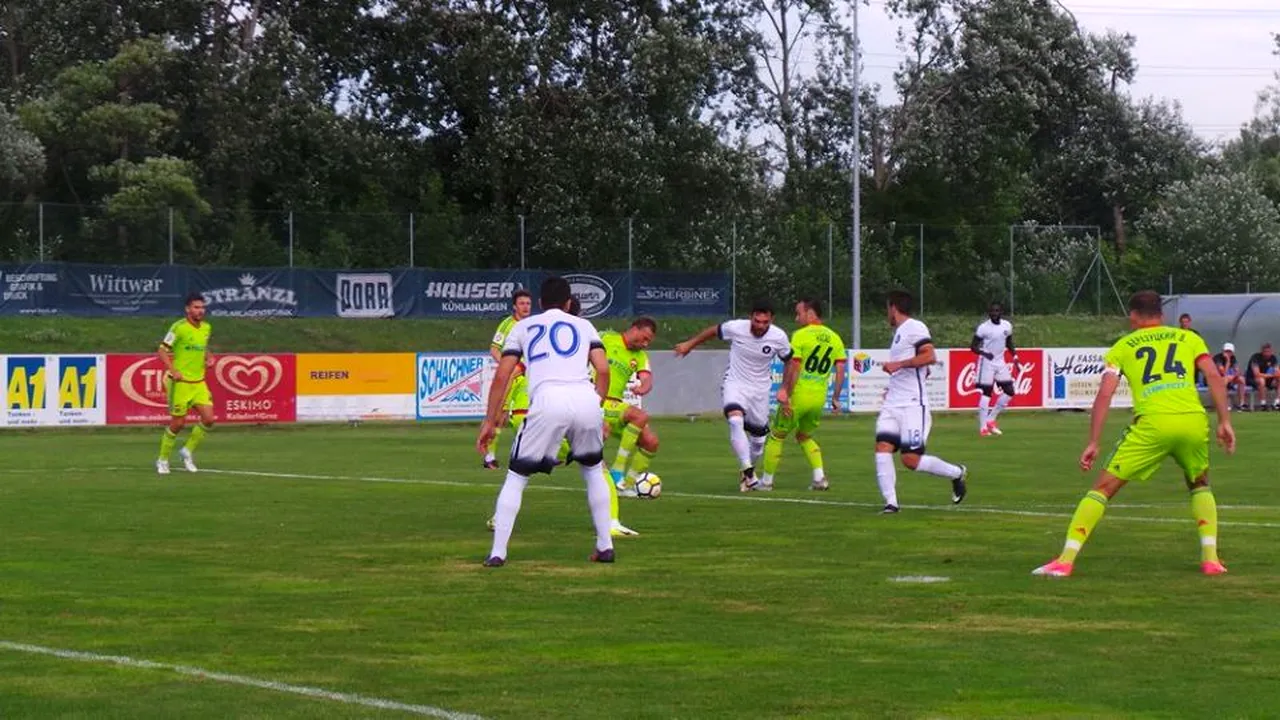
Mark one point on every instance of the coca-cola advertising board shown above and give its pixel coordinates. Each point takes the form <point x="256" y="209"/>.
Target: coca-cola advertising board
<point x="1028" y="379"/>
<point x="869" y="382"/>
<point x="1072" y="376"/>
<point x="245" y="389"/>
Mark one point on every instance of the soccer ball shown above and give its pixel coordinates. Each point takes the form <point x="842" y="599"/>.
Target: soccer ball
<point x="648" y="486"/>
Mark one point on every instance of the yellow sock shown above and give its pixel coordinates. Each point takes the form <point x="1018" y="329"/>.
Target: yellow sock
<point x="1087" y="515"/>
<point x="197" y="436"/>
<point x="812" y="452"/>
<point x="613" y="501"/>
<point x="563" y="453"/>
<point x="630" y="435"/>
<point x="772" y="455"/>
<point x="1205" y="510"/>
<point x="166" y="444"/>
<point x="639" y="463"/>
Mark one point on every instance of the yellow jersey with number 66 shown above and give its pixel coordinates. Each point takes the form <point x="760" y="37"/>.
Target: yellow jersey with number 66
<point x="817" y="348"/>
<point x="1160" y="365"/>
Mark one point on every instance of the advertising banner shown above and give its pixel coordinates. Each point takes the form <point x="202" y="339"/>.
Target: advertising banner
<point x="869" y="381"/>
<point x="1072" y="376"/>
<point x="53" y="390"/>
<point x="363" y="295"/>
<point x="245" y="388"/>
<point x="464" y="293"/>
<point x="689" y="294"/>
<point x="96" y="290"/>
<point x="452" y="385"/>
<point x="1028" y="379"/>
<point x="247" y="292"/>
<point x="34" y="289"/>
<point x="357" y="386"/>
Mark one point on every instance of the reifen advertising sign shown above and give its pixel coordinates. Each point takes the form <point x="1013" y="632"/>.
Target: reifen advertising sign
<point x="245" y="389"/>
<point x="1028" y="379"/>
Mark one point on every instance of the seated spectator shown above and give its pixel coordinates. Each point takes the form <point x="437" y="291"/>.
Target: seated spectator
<point x="1262" y="376"/>
<point x="1229" y="365"/>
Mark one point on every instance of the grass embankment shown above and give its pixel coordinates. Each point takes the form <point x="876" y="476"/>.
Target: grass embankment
<point x="70" y="335"/>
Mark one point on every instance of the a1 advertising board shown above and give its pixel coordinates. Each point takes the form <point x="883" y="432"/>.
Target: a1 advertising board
<point x="869" y="382"/>
<point x="452" y="385"/>
<point x="1072" y="376"/>
<point x="356" y="386"/>
<point x="246" y="389"/>
<point x="52" y="390"/>
<point x="1028" y="379"/>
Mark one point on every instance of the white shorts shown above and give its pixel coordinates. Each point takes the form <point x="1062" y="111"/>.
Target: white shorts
<point x="906" y="428"/>
<point x="752" y="400"/>
<point x="993" y="372"/>
<point x="557" y="413"/>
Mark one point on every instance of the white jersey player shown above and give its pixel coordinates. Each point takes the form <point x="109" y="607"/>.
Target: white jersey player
<point x="748" y="381"/>
<point x="557" y="350"/>
<point x="991" y="338"/>
<point x="904" y="422"/>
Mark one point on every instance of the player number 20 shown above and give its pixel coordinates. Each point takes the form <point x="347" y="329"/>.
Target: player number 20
<point x="1171" y="363"/>
<point x="820" y="365"/>
<point x="562" y="336"/>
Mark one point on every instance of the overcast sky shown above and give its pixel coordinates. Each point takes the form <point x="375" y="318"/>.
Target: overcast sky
<point x="1213" y="57"/>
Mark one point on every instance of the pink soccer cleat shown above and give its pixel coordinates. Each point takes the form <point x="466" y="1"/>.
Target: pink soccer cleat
<point x="1057" y="568"/>
<point x="1213" y="568"/>
<point x="992" y="429"/>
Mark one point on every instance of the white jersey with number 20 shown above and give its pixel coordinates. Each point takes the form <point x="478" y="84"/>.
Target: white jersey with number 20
<point x="554" y="347"/>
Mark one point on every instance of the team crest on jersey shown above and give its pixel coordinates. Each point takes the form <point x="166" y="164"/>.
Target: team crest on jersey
<point x="634" y="364"/>
<point x="895" y="339"/>
<point x="768" y="350"/>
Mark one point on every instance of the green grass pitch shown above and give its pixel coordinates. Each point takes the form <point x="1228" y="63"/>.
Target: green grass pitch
<point x="348" y="559"/>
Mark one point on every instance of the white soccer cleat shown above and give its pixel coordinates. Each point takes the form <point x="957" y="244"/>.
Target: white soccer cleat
<point x="819" y="484"/>
<point x="763" y="486"/>
<point x="188" y="460"/>
<point x="162" y="467"/>
<point x="617" y="529"/>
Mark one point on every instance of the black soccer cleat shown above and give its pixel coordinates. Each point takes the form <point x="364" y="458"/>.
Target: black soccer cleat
<point x="602" y="556"/>
<point x="958" y="489"/>
<point x="889" y="510"/>
<point x="494" y="561"/>
<point x="747" y="480"/>
<point x="489" y="464"/>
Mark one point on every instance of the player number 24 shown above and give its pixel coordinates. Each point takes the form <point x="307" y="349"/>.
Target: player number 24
<point x="1171" y="363"/>
<point x="818" y="364"/>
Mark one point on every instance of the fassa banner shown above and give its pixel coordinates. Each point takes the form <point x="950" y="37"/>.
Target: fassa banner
<point x="52" y="390"/>
<point x="246" y="388"/>
<point x="1028" y="379"/>
<point x="1072" y="376"/>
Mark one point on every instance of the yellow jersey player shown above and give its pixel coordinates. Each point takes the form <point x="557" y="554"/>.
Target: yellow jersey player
<point x="627" y="357"/>
<point x="815" y="350"/>
<point x="1159" y="362"/>
<point x="517" y="399"/>
<point x="185" y="354"/>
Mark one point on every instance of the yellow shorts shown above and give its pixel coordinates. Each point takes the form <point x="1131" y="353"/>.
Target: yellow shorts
<point x="518" y="395"/>
<point x="614" y="412"/>
<point x="806" y="413"/>
<point x="185" y="395"/>
<point x="1152" y="438"/>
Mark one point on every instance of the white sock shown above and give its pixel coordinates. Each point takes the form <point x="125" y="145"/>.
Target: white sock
<point x="598" y="502"/>
<point x="1001" y="404"/>
<point x="984" y="405"/>
<point x="766" y="479"/>
<point x="488" y="457"/>
<point x="818" y="474"/>
<point x="937" y="466"/>
<point x="739" y="442"/>
<point x="757" y="447"/>
<point x="887" y="477"/>
<point x="504" y="513"/>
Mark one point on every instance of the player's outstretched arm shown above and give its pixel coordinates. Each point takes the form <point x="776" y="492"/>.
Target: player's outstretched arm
<point x="1218" y="391"/>
<point x="1098" y="416"/>
<point x="600" y="363"/>
<point x="687" y="346"/>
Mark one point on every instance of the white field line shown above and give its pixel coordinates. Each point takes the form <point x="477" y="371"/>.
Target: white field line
<point x="745" y="498"/>
<point x="202" y="674"/>
<point x="976" y="509"/>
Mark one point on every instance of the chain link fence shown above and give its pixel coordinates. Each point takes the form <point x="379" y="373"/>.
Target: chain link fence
<point x="1033" y="269"/>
